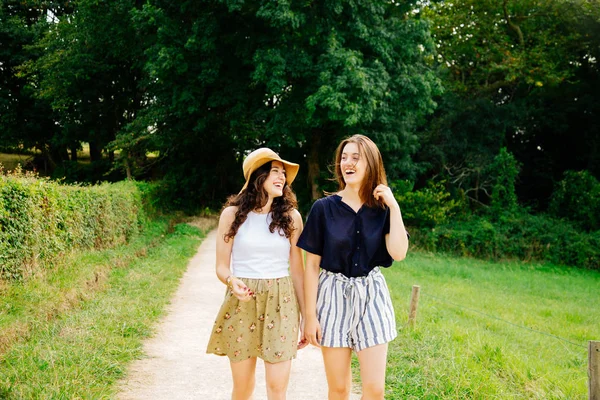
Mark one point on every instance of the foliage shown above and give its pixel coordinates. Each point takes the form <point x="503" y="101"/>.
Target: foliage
<point x="490" y="45"/>
<point x="87" y="173"/>
<point x="518" y="235"/>
<point x="199" y="84"/>
<point x="505" y="170"/>
<point x="577" y="198"/>
<point x="427" y="207"/>
<point x="40" y="220"/>
<point x="231" y="76"/>
<point x="359" y="67"/>
<point x="519" y="74"/>
<point x="25" y="120"/>
<point x="89" y="72"/>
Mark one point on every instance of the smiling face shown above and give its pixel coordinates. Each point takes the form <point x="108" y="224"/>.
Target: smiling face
<point x="353" y="166"/>
<point x="275" y="181"/>
<point x="358" y="164"/>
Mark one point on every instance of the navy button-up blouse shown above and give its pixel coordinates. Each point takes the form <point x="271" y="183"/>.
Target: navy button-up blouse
<point x="349" y="242"/>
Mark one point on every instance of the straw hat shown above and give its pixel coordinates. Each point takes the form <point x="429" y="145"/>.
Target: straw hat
<point x="260" y="157"/>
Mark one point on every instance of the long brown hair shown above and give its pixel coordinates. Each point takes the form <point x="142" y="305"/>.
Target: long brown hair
<point x="255" y="196"/>
<point x="375" y="173"/>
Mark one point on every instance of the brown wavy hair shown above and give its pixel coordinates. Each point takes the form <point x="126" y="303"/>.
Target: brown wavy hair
<point x="375" y="173"/>
<point x="255" y="197"/>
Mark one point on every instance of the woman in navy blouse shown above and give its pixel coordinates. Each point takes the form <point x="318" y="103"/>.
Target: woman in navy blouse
<point x="348" y="237"/>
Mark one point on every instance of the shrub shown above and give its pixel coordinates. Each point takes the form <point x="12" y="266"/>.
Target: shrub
<point x="521" y="236"/>
<point x="577" y="198"/>
<point x="504" y="170"/>
<point x="40" y="219"/>
<point x="427" y="207"/>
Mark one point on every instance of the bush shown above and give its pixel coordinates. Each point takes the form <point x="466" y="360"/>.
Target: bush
<point x="94" y="172"/>
<point x="504" y="169"/>
<point x="427" y="207"/>
<point x="577" y="198"/>
<point x="522" y="236"/>
<point x="40" y="219"/>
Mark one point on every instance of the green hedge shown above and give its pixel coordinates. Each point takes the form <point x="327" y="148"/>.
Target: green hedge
<point x="40" y="219"/>
<point x="567" y="235"/>
<point x="525" y="237"/>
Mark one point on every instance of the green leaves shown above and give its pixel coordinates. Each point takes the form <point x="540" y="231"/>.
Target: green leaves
<point x="40" y="219"/>
<point x="577" y="198"/>
<point x="488" y="44"/>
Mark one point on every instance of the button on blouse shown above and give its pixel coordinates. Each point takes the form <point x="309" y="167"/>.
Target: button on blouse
<point x="349" y="242"/>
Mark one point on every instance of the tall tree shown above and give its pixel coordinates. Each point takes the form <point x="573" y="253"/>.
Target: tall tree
<point x="502" y="62"/>
<point x="336" y="68"/>
<point x="25" y="120"/>
<point x="90" y="71"/>
<point x="228" y="76"/>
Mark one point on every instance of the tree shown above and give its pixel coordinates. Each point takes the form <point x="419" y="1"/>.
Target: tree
<point x="511" y="69"/>
<point x="336" y="68"/>
<point x="25" y="120"/>
<point x="89" y="73"/>
<point x="293" y="76"/>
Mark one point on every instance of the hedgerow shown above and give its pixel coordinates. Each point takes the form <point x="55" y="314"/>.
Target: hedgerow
<point x="42" y="219"/>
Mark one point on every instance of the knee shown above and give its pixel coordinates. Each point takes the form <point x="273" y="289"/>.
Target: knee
<point x="243" y="390"/>
<point x="373" y="391"/>
<point x="339" y="392"/>
<point x="276" y="389"/>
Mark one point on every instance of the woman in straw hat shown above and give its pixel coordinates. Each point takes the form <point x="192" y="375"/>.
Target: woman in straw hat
<point x="258" y="260"/>
<point x="348" y="237"/>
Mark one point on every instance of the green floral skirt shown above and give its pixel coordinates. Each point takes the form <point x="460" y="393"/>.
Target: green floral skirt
<point x="264" y="327"/>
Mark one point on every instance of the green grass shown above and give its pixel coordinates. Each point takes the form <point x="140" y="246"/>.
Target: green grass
<point x="71" y="334"/>
<point x="465" y="344"/>
<point x="79" y="327"/>
<point x="10" y="161"/>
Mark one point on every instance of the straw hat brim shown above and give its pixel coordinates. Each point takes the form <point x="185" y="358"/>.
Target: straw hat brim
<point x="260" y="157"/>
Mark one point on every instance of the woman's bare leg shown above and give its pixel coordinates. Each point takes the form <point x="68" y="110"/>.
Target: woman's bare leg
<point x="337" y="368"/>
<point x="243" y="373"/>
<point x="373" y="362"/>
<point x="277" y="376"/>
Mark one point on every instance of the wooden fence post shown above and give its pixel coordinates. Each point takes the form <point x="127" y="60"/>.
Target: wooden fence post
<point x="594" y="370"/>
<point x="414" y="303"/>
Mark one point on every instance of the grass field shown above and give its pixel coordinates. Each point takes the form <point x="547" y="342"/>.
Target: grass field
<point x="476" y="333"/>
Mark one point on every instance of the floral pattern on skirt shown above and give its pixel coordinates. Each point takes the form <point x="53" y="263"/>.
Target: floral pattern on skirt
<point x="265" y="327"/>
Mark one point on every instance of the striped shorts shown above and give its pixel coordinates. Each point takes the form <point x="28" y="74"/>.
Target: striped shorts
<point x="355" y="312"/>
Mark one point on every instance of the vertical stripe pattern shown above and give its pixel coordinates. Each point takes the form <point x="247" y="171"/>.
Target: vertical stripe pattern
<point x="355" y="312"/>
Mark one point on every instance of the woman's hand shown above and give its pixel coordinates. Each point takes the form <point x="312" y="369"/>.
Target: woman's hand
<point x="312" y="331"/>
<point x="385" y="193"/>
<point x="303" y="340"/>
<point x="240" y="290"/>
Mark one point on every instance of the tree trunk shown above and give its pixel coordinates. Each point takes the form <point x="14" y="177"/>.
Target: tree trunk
<point x="74" y="152"/>
<point x="128" y="169"/>
<point x="512" y="25"/>
<point x="95" y="152"/>
<point x="313" y="164"/>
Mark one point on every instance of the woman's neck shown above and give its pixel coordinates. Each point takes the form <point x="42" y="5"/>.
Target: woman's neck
<point x="266" y="208"/>
<point x="351" y="195"/>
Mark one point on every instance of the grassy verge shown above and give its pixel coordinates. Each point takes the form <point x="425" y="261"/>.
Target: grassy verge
<point x="75" y="330"/>
<point x="466" y="345"/>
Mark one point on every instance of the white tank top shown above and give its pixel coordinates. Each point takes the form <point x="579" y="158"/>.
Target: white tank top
<point x="257" y="253"/>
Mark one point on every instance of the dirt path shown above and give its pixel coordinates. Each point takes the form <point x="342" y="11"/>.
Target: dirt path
<point x="176" y="365"/>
